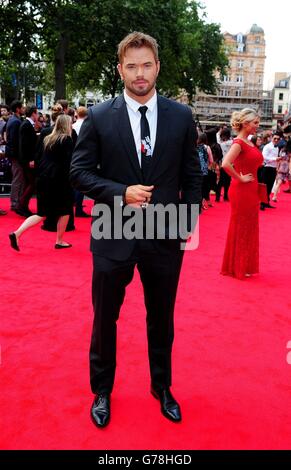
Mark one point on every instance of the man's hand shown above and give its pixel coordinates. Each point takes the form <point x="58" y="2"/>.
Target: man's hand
<point x="138" y="195"/>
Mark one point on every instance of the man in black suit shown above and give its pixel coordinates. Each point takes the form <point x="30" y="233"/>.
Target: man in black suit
<point x="27" y="156"/>
<point x="136" y="149"/>
<point x="12" y="152"/>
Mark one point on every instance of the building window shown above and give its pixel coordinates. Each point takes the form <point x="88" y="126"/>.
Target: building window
<point x="260" y="80"/>
<point x="224" y="92"/>
<point x="281" y="96"/>
<point x="280" y="109"/>
<point x="257" y="51"/>
<point x="226" y="78"/>
<point x="238" y="93"/>
<point x="239" y="78"/>
<point x="257" y="40"/>
<point x="240" y="64"/>
<point x="239" y="38"/>
<point x="240" y="47"/>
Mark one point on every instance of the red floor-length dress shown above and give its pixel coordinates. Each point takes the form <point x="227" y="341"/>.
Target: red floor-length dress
<point x="241" y="255"/>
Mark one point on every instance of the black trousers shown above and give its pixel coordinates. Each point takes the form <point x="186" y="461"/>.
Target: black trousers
<point x="224" y="182"/>
<point x="206" y="187"/>
<point x="269" y="176"/>
<point x="29" y="187"/>
<point x="79" y="198"/>
<point x="159" y="275"/>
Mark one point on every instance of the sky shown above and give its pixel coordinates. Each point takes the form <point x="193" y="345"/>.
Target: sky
<point x="238" y="17"/>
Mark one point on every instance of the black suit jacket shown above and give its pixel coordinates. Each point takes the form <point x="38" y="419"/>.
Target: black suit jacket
<point x="27" y="143"/>
<point x="105" y="162"/>
<point x="12" y="132"/>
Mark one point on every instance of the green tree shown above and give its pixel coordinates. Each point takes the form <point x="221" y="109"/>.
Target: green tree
<point x="41" y="34"/>
<point x="19" y="69"/>
<point x="63" y="32"/>
<point x="74" y="43"/>
<point x="114" y="19"/>
<point x="191" y="49"/>
<point x="202" y="58"/>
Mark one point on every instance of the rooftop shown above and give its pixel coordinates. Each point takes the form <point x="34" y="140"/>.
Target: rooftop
<point x="256" y="29"/>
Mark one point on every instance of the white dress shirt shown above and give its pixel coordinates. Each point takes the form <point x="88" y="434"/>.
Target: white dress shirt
<point x="135" y="116"/>
<point x="270" y="154"/>
<point x="77" y="125"/>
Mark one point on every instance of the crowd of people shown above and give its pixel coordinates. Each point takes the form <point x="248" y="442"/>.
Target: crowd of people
<point x="38" y="149"/>
<point x="23" y="131"/>
<point x="214" y="144"/>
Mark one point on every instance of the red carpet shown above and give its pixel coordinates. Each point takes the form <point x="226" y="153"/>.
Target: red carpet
<point x="230" y="370"/>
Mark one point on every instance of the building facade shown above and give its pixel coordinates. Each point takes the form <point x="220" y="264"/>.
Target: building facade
<point x="281" y="99"/>
<point x="242" y="86"/>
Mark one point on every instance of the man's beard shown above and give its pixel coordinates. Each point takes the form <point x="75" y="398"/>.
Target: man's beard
<point x="142" y="92"/>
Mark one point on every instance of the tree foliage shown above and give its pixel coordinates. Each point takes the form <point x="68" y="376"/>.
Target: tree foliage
<point x="67" y="44"/>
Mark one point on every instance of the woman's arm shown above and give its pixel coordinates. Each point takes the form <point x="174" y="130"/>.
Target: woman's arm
<point x="227" y="164"/>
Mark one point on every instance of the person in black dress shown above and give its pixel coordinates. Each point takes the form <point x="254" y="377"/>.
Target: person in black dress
<point x="54" y="193"/>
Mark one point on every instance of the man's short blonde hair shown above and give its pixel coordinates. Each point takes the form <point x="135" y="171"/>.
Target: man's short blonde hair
<point x="137" y="40"/>
<point x="82" y="112"/>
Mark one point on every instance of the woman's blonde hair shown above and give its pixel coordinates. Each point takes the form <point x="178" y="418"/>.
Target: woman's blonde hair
<point x="239" y="117"/>
<point x="56" y="111"/>
<point x="62" y="129"/>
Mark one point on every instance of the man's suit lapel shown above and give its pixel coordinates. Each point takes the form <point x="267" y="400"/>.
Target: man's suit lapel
<point x="122" y="123"/>
<point x="162" y="132"/>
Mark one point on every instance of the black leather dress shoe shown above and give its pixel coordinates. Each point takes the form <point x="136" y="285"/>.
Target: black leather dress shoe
<point x="13" y="241"/>
<point x="169" y="407"/>
<point x="100" y="411"/>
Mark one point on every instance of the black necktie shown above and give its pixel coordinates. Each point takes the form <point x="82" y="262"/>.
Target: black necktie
<point x="146" y="149"/>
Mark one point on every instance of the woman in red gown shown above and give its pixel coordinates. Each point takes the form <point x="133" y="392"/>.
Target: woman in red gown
<point x="241" y="255"/>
